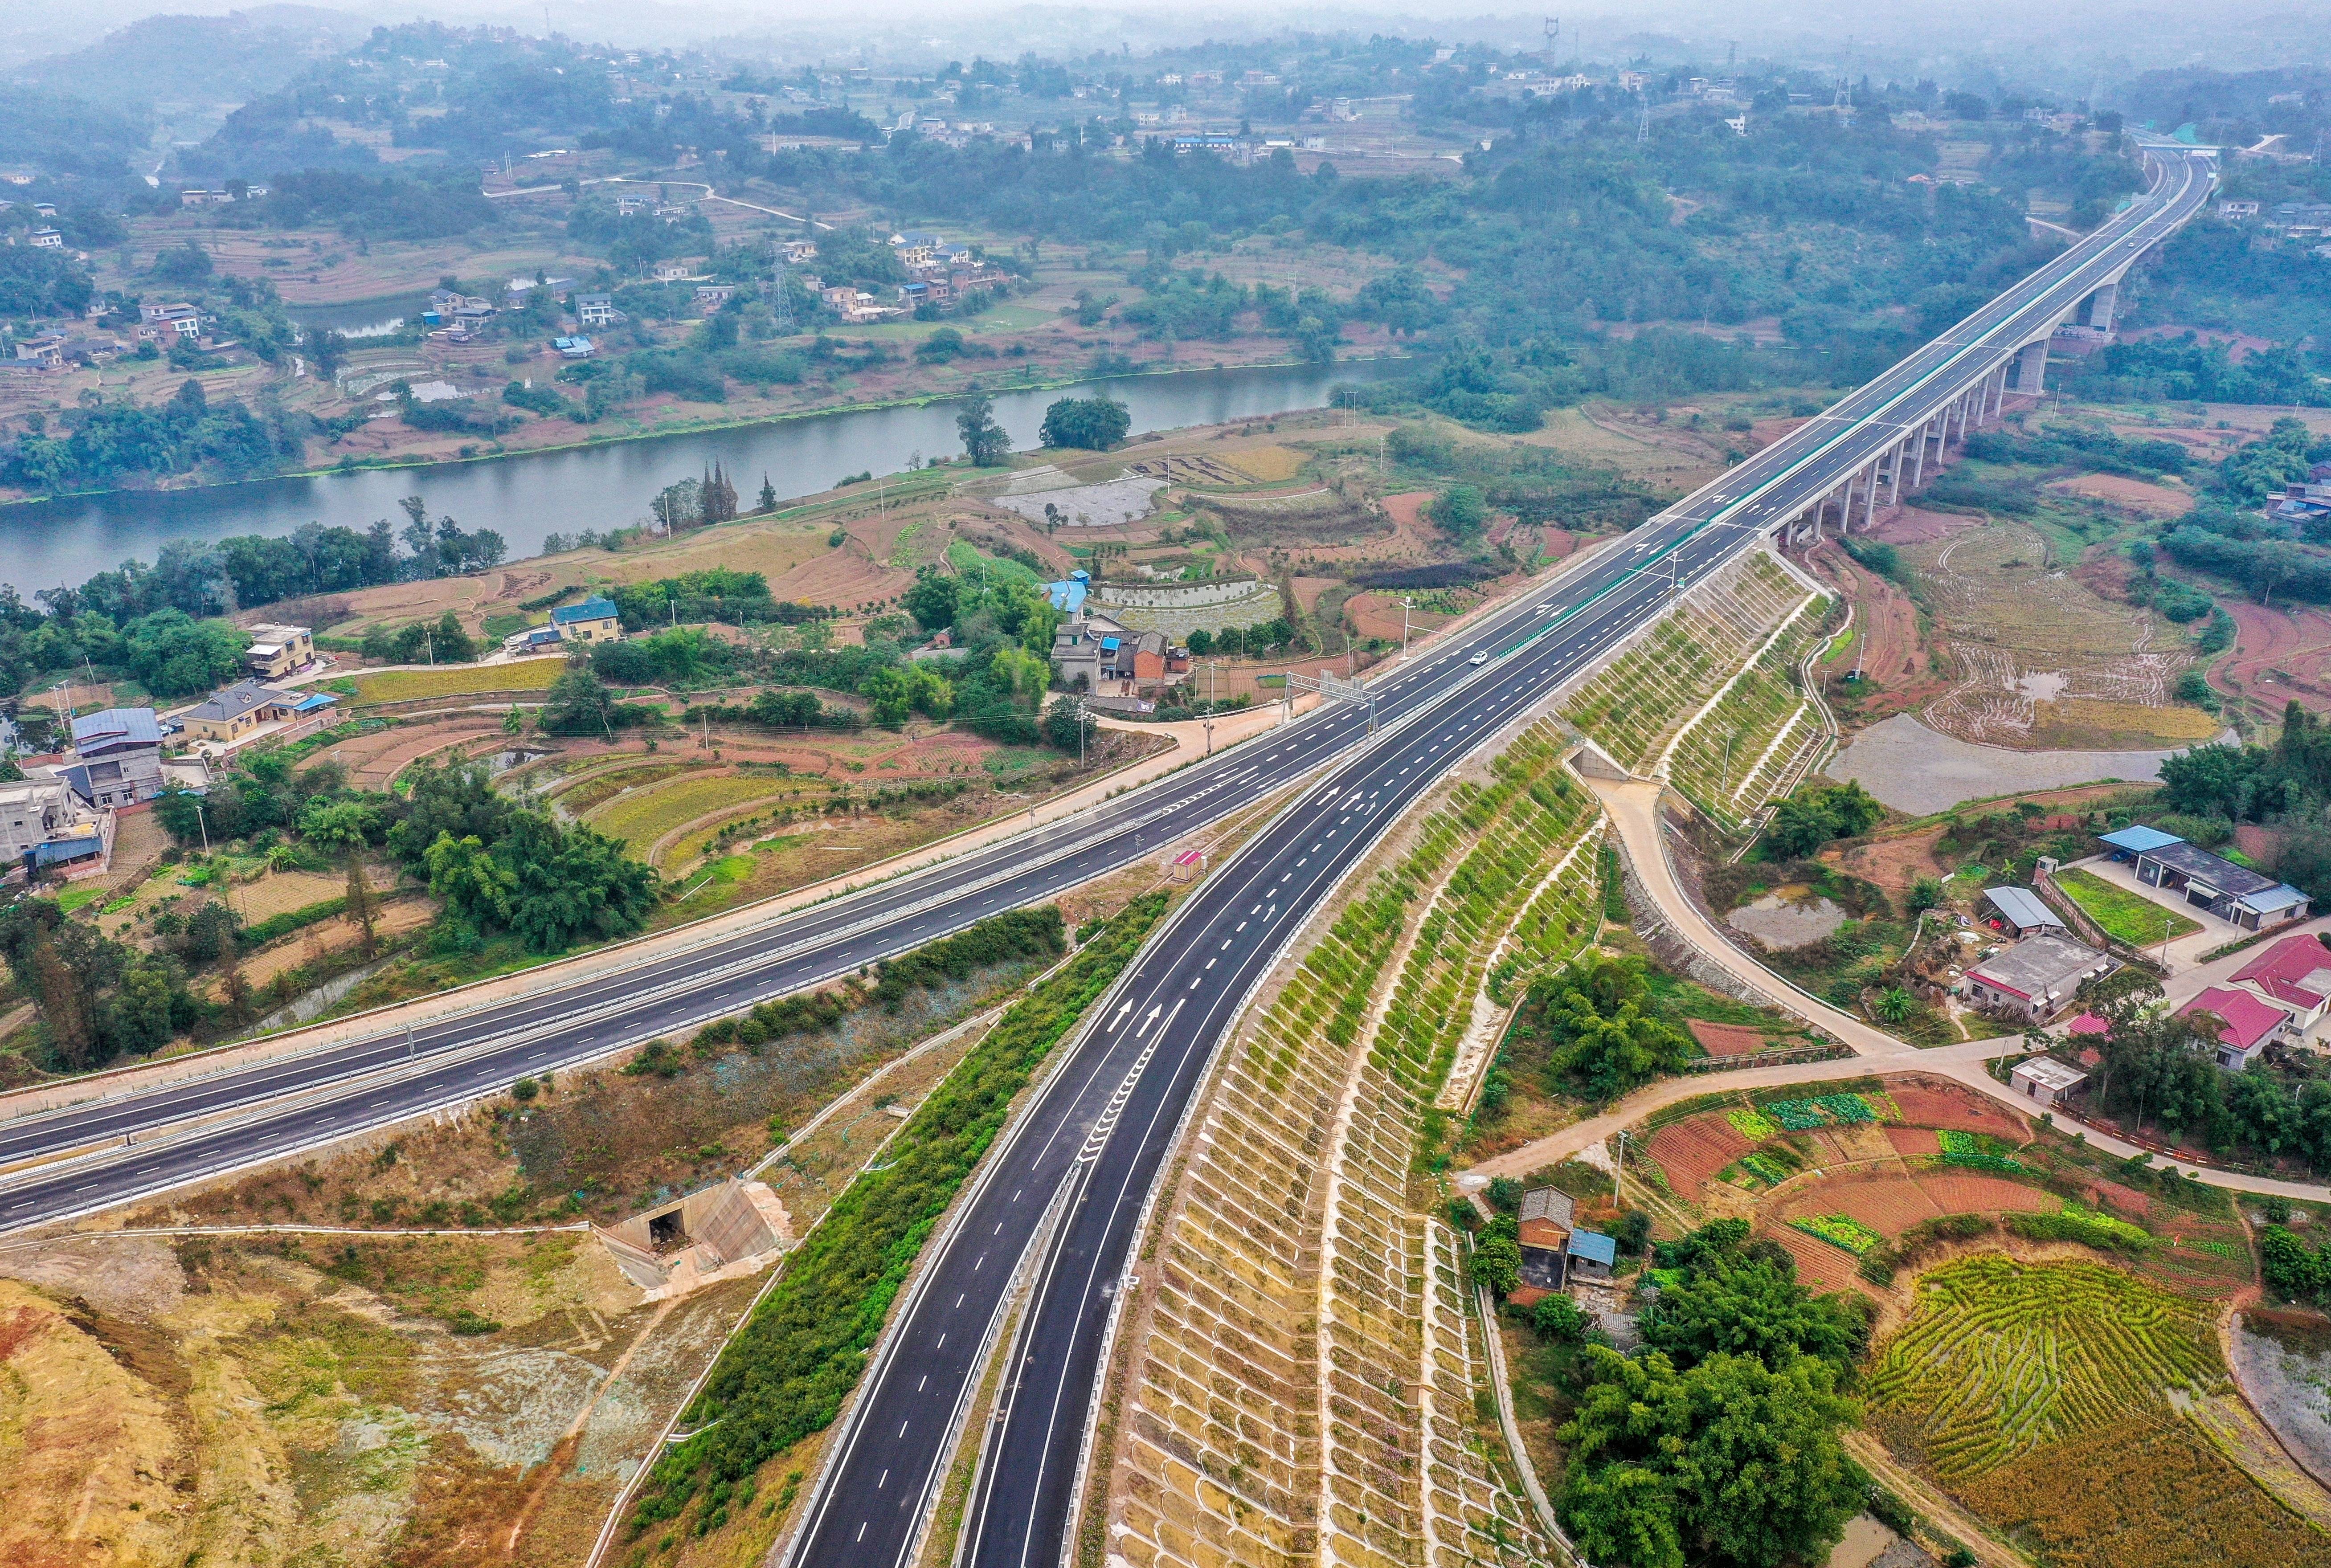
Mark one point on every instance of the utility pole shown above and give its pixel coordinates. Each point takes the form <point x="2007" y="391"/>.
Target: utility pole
<point x="1618" y="1166"/>
<point x="1405" y="603"/>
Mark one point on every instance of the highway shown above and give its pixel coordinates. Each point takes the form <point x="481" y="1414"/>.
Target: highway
<point x="1095" y="1136"/>
<point x="1091" y="1147"/>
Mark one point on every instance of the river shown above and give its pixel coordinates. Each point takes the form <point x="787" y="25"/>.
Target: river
<point x="527" y="495"/>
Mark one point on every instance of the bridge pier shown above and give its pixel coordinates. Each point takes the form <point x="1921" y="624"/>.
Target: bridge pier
<point x="2100" y="307"/>
<point x="2032" y="368"/>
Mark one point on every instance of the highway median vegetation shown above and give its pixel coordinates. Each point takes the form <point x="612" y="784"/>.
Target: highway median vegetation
<point x="786" y="1373"/>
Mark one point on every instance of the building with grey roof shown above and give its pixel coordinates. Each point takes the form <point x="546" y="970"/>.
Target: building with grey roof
<point x="2037" y="978"/>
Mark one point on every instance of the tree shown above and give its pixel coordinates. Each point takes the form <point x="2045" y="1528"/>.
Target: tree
<point x="173" y="654"/>
<point x="1067" y="726"/>
<point x="1460" y="511"/>
<point x="1095" y="423"/>
<point x="474" y="886"/>
<point x="1603" y="1027"/>
<point x="1731" y="1462"/>
<point x="231" y="984"/>
<point x="984" y="441"/>
<point x="932" y="599"/>
<point x="1735" y="1304"/>
<point x="359" y="909"/>
<point x="578" y="704"/>
<point x="768" y="497"/>
<point x="1498" y="1263"/>
<point x="1558" y="1319"/>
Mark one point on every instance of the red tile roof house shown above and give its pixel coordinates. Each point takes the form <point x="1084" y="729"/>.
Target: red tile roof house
<point x="2297" y="973"/>
<point x="2248" y="1023"/>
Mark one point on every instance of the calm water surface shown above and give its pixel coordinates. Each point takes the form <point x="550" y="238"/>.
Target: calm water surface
<point x="525" y="496"/>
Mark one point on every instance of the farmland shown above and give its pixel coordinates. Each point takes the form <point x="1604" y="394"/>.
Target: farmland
<point x="2126" y="916"/>
<point x="458" y="681"/>
<point x="639" y="817"/>
<point x="2054" y="1398"/>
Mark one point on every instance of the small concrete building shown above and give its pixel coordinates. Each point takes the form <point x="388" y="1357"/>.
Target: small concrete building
<point x="595" y="620"/>
<point x="1591" y="1256"/>
<point x="44" y="823"/>
<point x="2045" y="1079"/>
<point x="276" y="651"/>
<point x="2036" y="979"/>
<point x="116" y="758"/>
<point x="2235" y="894"/>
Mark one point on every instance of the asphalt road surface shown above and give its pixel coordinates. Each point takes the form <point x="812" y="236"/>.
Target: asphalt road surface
<point x="1092" y="1145"/>
<point x="1097" y="1136"/>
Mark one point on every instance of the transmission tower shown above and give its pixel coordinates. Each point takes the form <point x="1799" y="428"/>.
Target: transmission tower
<point x="1553" y="33"/>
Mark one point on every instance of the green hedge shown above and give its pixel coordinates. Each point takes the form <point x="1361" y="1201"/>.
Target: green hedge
<point x="292" y="920"/>
<point x="786" y="1372"/>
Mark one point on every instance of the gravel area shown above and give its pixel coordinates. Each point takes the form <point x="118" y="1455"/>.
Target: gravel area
<point x="1915" y="769"/>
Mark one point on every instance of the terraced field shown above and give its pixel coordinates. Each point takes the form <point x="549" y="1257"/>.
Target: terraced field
<point x="2082" y="1411"/>
<point x="459" y="680"/>
<point x="639" y="817"/>
<point x="1707" y="698"/>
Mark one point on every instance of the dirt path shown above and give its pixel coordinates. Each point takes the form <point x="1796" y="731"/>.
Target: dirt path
<point x="562" y="1453"/>
<point x="1633" y="807"/>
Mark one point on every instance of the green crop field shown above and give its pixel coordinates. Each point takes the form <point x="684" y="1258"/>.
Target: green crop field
<point x="459" y="680"/>
<point x="2052" y="1399"/>
<point x="2125" y="916"/>
<point x="2000" y="1357"/>
<point x="641" y="817"/>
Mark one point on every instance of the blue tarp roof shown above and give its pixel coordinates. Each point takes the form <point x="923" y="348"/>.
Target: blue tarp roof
<point x="2139" y="840"/>
<point x="1068" y="597"/>
<point x="1595" y="1247"/>
<point x="314" y="700"/>
<point x="592" y="609"/>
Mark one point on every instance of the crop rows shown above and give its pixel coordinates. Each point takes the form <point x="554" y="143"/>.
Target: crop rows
<point x="2000" y="1357"/>
<point x="1307" y="1386"/>
<point x="1645" y="698"/>
<point x="1976" y="1151"/>
<point x="1752" y="1127"/>
<point x="1839" y="1231"/>
<point x="1806" y="1115"/>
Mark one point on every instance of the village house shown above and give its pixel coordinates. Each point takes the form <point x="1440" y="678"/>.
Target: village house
<point x="594" y="620"/>
<point x="2022" y="913"/>
<point x="47" y="240"/>
<point x="2247" y="1024"/>
<point x="233" y="712"/>
<point x="276" y="651"/>
<point x="41" y="351"/>
<point x="596" y="310"/>
<point x="2036" y="979"/>
<point x="1544" y="1228"/>
<point x="117" y="757"/>
<point x="2294" y="974"/>
<point x="710" y="297"/>
<point x="44" y="824"/>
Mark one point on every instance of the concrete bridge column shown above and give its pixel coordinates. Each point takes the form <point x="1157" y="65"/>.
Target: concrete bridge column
<point x="1996" y="385"/>
<point x="2031" y="367"/>
<point x="1918" y="458"/>
<point x="2100" y="306"/>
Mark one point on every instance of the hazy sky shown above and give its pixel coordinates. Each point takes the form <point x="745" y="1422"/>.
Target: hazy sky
<point x="2067" y="40"/>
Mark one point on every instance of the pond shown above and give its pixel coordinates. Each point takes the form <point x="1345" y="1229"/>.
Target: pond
<point x="1779" y="920"/>
<point x="527" y="495"/>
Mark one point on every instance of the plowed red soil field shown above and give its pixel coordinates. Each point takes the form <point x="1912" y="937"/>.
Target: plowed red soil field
<point x="1888" y="1204"/>
<point x="1910" y="1142"/>
<point x="1972" y="1192"/>
<point x="1693" y="1150"/>
<point x="1932" y="1104"/>
<point x="1819" y="1266"/>
<point x="1726" y="1039"/>
<point x="2279" y="655"/>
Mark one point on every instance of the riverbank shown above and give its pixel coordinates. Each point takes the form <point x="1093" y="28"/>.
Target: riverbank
<point x="605" y="482"/>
